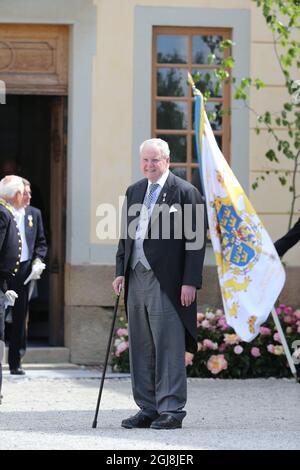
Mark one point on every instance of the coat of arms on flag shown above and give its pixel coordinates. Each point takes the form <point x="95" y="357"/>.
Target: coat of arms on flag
<point x="250" y="272"/>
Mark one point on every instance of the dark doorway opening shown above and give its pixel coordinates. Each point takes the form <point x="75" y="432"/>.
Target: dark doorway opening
<point x="26" y="142"/>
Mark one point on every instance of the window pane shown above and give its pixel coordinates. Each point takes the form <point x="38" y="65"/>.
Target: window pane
<point x="212" y="109"/>
<point x="172" y="49"/>
<point x="177" y="144"/>
<point x="202" y="46"/>
<point x="181" y="172"/>
<point x="205" y="80"/>
<point x="194" y="150"/>
<point x="171" y="115"/>
<point x="172" y="82"/>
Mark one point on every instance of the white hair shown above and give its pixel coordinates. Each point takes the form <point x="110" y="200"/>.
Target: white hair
<point x="10" y="186"/>
<point x="158" y="143"/>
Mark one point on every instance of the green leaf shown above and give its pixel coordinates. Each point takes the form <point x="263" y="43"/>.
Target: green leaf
<point x="282" y="180"/>
<point x="267" y="118"/>
<point x="259" y="84"/>
<point x="271" y="155"/>
<point x="228" y="62"/>
<point x="288" y="106"/>
<point x="226" y="44"/>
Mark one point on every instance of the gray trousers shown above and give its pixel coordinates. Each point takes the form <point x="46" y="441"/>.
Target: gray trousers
<point x="157" y="347"/>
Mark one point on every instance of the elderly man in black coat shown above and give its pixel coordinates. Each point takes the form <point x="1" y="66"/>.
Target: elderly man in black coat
<point x="11" y="189"/>
<point x="159" y="260"/>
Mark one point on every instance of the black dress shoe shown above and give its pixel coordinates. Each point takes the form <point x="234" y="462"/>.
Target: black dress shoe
<point x="166" y="421"/>
<point x="18" y="371"/>
<point x="140" y="420"/>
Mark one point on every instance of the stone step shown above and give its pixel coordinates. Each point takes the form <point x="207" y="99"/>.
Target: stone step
<point x="45" y="355"/>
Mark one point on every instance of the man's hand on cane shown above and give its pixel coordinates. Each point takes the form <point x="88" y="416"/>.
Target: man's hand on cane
<point x="118" y="284"/>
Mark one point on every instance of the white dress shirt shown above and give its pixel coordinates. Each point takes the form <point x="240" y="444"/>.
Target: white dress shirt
<point x="20" y="218"/>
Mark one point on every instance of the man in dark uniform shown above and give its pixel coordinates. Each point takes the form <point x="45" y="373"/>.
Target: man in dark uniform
<point x="161" y="273"/>
<point x="34" y="250"/>
<point x="288" y="240"/>
<point x="11" y="191"/>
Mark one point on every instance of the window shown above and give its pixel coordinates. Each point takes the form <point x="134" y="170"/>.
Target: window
<point x="176" y="51"/>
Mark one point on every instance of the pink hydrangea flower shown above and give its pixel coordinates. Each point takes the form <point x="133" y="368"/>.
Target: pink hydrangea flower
<point x="288" y="319"/>
<point x="205" y="324"/>
<point x="208" y="344"/>
<point x="121" y="348"/>
<point x="276" y="337"/>
<point x="297" y="314"/>
<point x="271" y="348"/>
<point x="238" y="349"/>
<point x="217" y="363"/>
<point x="265" y="331"/>
<point x="122" y="332"/>
<point x="288" y="310"/>
<point x="255" y="352"/>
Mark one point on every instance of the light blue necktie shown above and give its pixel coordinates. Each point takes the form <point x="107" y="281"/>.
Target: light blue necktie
<point x="148" y="201"/>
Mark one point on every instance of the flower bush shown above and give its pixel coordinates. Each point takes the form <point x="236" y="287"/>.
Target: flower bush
<point x="221" y="353"/>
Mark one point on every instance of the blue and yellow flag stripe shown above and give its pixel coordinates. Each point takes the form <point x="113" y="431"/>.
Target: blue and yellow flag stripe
<point x="199" y="123"/>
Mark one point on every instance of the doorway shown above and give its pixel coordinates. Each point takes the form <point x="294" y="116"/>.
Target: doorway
<point x="33" y="140"/>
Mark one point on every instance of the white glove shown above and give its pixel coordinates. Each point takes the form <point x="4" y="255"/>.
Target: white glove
<point x="10" y="298"/>
<point x="36" y="271"/>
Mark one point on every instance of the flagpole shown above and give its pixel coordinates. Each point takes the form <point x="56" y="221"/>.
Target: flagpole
<point x="199" y="127"/>
<point x="284" y="344"/>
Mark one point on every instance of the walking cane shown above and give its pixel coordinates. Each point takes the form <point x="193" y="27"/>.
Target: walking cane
<point x="106" y="360"/>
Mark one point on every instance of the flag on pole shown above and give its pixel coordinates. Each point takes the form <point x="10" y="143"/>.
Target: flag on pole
<point x="250" y="272"/>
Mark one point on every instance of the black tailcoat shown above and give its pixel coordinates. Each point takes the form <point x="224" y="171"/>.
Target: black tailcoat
<point x="10" y="245"/>
<point x="34" y="232"/>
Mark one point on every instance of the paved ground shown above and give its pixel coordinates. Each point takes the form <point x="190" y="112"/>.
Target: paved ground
<point x="54" y="409"/>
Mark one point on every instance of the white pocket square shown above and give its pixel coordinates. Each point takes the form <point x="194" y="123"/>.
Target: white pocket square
<point x="172" y="209"/>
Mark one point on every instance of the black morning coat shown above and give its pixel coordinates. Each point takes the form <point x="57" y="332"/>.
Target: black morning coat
<point x="10" y="246"/>
<point x="172" y="264"/>
<point x="34" y="232"/>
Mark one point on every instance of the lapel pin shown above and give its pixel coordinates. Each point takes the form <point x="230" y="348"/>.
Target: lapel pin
<point x="30" y="222"/>
<point x="164" y="197"/>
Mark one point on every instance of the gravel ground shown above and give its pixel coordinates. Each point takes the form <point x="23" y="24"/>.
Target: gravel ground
<point x="55" y="410"/>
